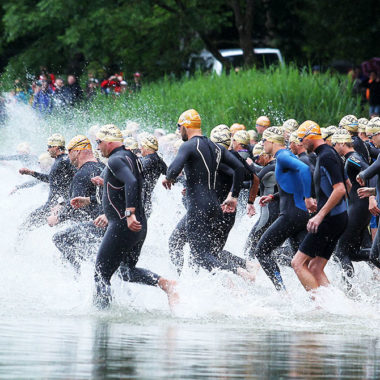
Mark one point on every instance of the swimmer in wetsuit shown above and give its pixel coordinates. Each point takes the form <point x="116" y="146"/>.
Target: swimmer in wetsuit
<point x="294" y="184"/>
<point x="59" y="179"/>
<point x="153" y="167"/>
<point x="127" y="225"/>
<point x="349" y="244"/>
<point x="200" y="158"/>
<point x="76" y="241"/>
<point x="329" y="223"/>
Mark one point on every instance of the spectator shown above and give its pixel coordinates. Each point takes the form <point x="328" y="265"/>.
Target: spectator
<point x="92" y="88"/>
<point x="373" y="93"/>
<point x="74" y="89"/>
<point x="61" y="96"/>
<point x="43" y="101"/>
<point x="123" y="87"/>
<point x="137" y="82"/>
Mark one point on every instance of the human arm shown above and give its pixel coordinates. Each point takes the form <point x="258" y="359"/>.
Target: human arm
<point x="177" y="165"/>
<point x="368" y="173"/>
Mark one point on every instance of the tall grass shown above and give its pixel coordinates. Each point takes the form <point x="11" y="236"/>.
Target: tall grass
<point x="280" y="93"/>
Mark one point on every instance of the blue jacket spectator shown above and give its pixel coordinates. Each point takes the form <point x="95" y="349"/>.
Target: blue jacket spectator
<point x="43" y="100"/>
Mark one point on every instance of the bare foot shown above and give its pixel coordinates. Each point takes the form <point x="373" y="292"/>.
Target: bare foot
<point x="252" y="267"/>
<point x="248" y="276"/>
<point x="169" y="287"/>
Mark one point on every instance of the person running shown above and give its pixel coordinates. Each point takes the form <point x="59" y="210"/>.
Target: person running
<point x="23" y="155"/>
<point x="127" y="224"/>
<point x="356" y="232"/>
<point x="329" y="223"/>
<point x="298" y="150"/>
<point x="153" y="166"/>
<point x="75" y="241"/>
<point x="200" y="158"/>
<point x="59" y="179"/>
<point x="294" y="184"/>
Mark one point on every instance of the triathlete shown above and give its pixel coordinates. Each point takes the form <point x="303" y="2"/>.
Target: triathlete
<point x="325" y="228"/>
<point x="75" y="241"/>
<point x="127" y="225"/>
<point x="262" y="123"/>
<point x="294" y="183"/>
<point x="348" y="247"/>
<point x="200" y="158"/>
<point x="23" y="155"/>
<point x="298" y="150"/>
<point x="59" y="179"/>
<point x="153" y="166"/>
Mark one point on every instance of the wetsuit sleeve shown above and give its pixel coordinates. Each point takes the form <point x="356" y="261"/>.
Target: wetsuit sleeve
<point x="177" y="165"/>
<point x="371" y="171"/>
<point x="374" y="152"/>
<point x="41" y="176"/>
<point x="238" y="168"/>
<point x="123" y="173"/>
<point x="292" y="163"/>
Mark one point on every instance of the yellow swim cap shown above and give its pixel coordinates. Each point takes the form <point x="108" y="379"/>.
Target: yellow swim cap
<point x="190" y="119"/>
<point x="309" y="130"/>
<point x="23" y="147"/>
<point x="258" y="149"/>
<point x="109" y="133"/>
<point x="149" y="141"/>
<point x="341" y="136"/>
<point x="362" y="124"/>
<point x="328" y="132"/>
<point x="263" y="121"/>
<point x="56" y="140"/>
<point x="274" y="134"/>
<point x="293" y="138"/>
<point x="241" y="137"/>
<point x="79" y="142"/>
<point x="131" y="143"/>
<point x="373" y="127"/>
<point x="290" y="125"/>
<point x="349" y="122"/>
<point x="221" y="136"/>
<point x="222" y="127"/>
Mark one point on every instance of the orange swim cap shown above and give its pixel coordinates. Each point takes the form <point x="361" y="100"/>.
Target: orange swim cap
<point x="309" y="130"/>
<point x="79" y="142"/>
<point x="190" y="119"/>
<point x="263" y="121"/>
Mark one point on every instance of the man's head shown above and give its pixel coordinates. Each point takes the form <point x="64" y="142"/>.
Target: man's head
<point x="44" y="85"/>
<point x="108" y="138"/>
<point x="273" y="140"/>
<point x="342" y="142"/>
<point x="222" y="136"/>
<point x="149" y="144"/>
<point x="59" y="83"/>
<point x="78" y="148"/>
<point x="56" y="145"/>
<point x="373" y="131"/>
<point x="23" y="148"/>
<point x="309" y="134"/>
<point x="289" y="127"/>
<point x="327" y="133"/>
<point x="262" y="123"/>
<point x="294" y="144"/>
<point x="253" y="137"/>
<point x="71" y="79"/>
<point x="259" y="156"/>
<point x="350" y="123"/>
<point x="189" y="120"/>
<point x="240" y="140"/>
<point x="362" y="125"/>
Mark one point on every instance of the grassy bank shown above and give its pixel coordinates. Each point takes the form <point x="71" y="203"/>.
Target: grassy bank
<point x="280" y="93"/>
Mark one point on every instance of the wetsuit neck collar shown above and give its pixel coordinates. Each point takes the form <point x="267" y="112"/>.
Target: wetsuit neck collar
<point x="278" y="152"/>
<point x="347" y="155"/>
<point x="320" y="148"/>
<point x="117" y="150"/>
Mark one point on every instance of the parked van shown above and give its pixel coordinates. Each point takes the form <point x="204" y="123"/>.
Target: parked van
<point x="205" y="61"/>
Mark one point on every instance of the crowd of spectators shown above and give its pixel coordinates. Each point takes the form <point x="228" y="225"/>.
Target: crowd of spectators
<point x="50" y="92"/>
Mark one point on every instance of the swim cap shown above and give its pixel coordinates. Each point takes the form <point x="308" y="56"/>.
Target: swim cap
<point x="293" y="138"/>
<point x="309" y="130"/>
<point x="45" y="159"/>
<point x="349" y="122"/>
<point x="190" y="119"/>
<point x="328" y="132"/>
<point x="373" y="127"/>
<point x="79" y="142"/>
<point x="109" y="133"/>
<point x="258" y="149"/>
<point x="241" y="137"/>
<point x="253" y="135"/>
<point x="126" y="133"/>
<point x="149" y="141"/>
<point x="56" y="140"/>
<point x="290" y="125"/>
<point x="132" y="126"/>
<point x="92" y="132"/>
<point x="221" y="136"/>
<point x="237" y="127"/>
<point x="131" y="143"/>
<point x="263" y="121"/>
<point x="158" y="132"/>
<point x="362" y="124"/>
<point x="23" y="147"/>
<point x="341" y="136"/>
<point x="274" y="134"/>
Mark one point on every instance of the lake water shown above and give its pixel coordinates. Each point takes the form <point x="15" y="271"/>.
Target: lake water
<point x="223" y="328"/>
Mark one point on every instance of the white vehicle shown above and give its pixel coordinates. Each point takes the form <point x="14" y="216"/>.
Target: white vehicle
<point x="205" y="61"/>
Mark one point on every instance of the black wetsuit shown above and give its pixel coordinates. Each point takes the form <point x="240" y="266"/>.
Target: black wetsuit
<point x="329" y="171"/>
<point x="59" y="179"/>
<point x="294" y="183"/>
<point x="361" y="148"/>
<point x="269" y="212"/>
<point x="371" y="172"/>
<point x="122" y="189"/>
<point x="76" y="241"/>
<point x="153" y="166"/>
<point x="348" y="247"/>
<point x="200" y="158"/>
<point x="373" y="151"/>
